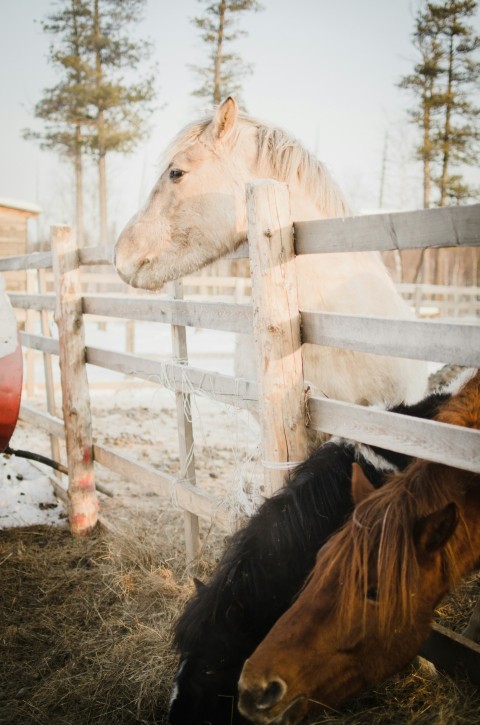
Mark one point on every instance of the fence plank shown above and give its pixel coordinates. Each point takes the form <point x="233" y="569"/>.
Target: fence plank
<point x="40" y="342"/>
<point x="34" y="260"/>
<point x="276" y="326"/>
<point x="419" y="339"/>
<point x="449" y="444"/>
<point x="38" y="302"/>
<point x="451" y="652"/>
<point x="226" y="389"/>
<point x="183" y="494"/>
<point x="44" y="421"/>
<point x="83" y="503"/>
<point x="96" y="255"/>
<point x="223" y="388"/>
<point x="444" y="227"/>
<point x="211" y="315"/>
<point x="435" y="289"/>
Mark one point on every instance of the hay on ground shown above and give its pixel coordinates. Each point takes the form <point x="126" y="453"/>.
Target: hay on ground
<point x="86" y="635"/>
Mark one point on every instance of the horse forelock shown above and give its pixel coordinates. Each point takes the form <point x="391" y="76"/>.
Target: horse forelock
<point x="185" y="138"/>
<point x="381" y="532"/>
<point x="278" y="155"/>
<point x="381" y="528"/>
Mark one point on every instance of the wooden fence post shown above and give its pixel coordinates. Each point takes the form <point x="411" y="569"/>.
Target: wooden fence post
<point x="185" y="434"/>
<point x="30" y="327"/>
<point x="82" y="497"/>
<point x="276" y="326"/>
<point x="48" y="370"/>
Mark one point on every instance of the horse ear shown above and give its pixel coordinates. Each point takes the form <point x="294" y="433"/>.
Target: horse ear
<point x="432" y="532"/>
<point x="361" y="486"/>
<point x="199" y="585"/>
<point x="225" y="118"/>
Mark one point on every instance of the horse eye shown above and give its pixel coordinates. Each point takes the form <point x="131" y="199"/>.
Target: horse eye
<point x="372" y="594"/>
<point x="176" y="174"/>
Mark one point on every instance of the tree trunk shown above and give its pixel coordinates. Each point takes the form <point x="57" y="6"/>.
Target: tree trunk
<point x="447" y="129"/>
<point x="102" y="181"/>
<point x="80" y="230"/>
<point x="217" y="86"/>
<point x="427" y="152"/>
<point x="102" y="176"/>
<point x="79" y="189"/>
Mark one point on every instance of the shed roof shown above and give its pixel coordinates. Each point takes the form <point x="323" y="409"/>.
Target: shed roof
<point x="26" y="207"/>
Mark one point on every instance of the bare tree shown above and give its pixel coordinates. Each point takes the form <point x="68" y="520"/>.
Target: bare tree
<point x="64" y="107"/>
<point x="93" y="109"/>
<point x="119" y="108"/>
<point x="222" y="74"/>
<point x="442" y="83"/>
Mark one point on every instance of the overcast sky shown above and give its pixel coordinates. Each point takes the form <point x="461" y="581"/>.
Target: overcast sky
<point x="325" y="70"/>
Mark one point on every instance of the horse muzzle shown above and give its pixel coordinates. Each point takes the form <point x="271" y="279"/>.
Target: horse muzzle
<point x="266" y="704"/>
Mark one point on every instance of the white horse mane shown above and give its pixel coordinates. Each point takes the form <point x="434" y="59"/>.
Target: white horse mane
<point x="280" y="156"/>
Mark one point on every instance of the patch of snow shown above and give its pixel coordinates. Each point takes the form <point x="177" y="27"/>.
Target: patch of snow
<point x="26" y="496"/>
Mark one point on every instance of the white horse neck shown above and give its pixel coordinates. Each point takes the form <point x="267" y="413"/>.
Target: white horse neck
<point x="303" y="209"/>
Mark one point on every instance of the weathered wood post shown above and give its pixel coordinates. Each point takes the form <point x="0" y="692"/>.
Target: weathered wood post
<point x="30" y="327"/>
<point x="185" y="434"/>
<point x="82" y="497"/>
<point x="276" y="326"/>
<point x="48" y="370"/>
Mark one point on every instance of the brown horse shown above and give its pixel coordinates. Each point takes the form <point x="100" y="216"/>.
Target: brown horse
<point x="367" y="607"/>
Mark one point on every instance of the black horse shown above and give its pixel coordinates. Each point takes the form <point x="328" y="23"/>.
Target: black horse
<point x="262" y="570"/>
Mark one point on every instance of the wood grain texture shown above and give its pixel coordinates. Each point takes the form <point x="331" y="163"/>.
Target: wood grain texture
<point x="276" y="329"/>
<point x="455" y="226"/>
<point x="217" y="316"/>
<point x="83" y="503"/>
<point x="448" y="444"/>
<point x="418" y="339"/>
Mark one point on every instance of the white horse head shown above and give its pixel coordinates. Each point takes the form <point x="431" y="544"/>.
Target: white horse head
<point x="196" y="211"/>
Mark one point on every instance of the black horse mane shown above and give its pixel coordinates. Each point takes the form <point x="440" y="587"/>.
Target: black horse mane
<point x="272" y="545"/>
<point x="279" y="542"/>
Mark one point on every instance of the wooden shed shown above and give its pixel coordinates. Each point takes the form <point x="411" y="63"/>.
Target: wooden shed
<point x="14" y="216"/>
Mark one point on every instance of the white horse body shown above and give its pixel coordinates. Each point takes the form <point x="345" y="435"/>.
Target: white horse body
<point x="196" y="213"/>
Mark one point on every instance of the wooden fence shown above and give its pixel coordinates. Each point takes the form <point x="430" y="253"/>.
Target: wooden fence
<point x="281" y="412"/>
<point x="441" y="300"/>
<point x="428" y="300"/>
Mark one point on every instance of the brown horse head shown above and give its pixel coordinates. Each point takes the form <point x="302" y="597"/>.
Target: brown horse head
<point x="367" y="607"/>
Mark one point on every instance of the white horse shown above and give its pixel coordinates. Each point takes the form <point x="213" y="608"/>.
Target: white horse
<point x="196" y="213"/>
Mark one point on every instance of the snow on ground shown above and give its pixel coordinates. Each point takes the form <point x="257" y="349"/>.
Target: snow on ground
<point x="139" y="419"/>
<point x="26" y="496"/>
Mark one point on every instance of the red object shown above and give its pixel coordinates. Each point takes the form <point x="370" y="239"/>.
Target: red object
<point x="11" y="374"/>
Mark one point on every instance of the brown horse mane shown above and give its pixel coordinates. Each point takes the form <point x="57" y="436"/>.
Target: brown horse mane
<point x="380" y="532"/>
<point x="278" y="155"/>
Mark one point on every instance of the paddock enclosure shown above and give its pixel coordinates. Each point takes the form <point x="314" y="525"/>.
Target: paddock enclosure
<point x="285" y="410"/>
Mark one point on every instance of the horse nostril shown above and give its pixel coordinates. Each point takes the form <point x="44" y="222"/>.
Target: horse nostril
<point x="271" y="695"/>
